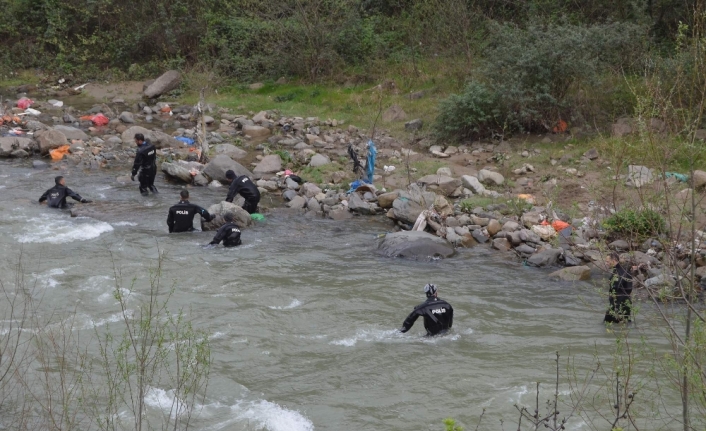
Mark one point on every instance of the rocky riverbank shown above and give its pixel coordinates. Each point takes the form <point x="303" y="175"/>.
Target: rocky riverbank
<point x="265" y="144"/>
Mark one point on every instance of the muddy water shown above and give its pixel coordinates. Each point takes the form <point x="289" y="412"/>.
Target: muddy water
<point x="302" y="317"/>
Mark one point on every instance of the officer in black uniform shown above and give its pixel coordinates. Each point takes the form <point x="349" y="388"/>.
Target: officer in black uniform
<point x="619" y="292"/>
<point x="146" y="163"/>
<point x="56" y="196"/>
<point x="246" y="188"/>
<point x="438" y="314"/>
<point x="229" y="233"/>
<point x="181" y="215"/>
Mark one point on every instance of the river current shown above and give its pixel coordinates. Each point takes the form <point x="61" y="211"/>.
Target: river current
<point x="302" y="317"/>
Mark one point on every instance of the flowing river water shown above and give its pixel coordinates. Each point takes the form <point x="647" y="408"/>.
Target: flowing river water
<point x="302" y="317"/>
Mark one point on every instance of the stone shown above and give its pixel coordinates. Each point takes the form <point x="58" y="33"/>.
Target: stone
<point x="489" y="177"/>
<point x="525" y="249"/>
<point x="501" y="244"/>
<point x="415" y="245"/>
<point x="200" y="180"/>
<point x="700" y="134"/>
<point x="453" y="238"/>
<point x="358" y="205"/>
<point x="394" y="113"/>
<point x="548" y="257"/>
<point x="480" y="221"/>
<point x="621" y="129"/>
<point x="699" y="179"/>
<point x="572" y="273"/>
<point x="639" y="176"/>
<point x="209" y="120"/>
<point x="240" y="216"/>
<point x="50" y="139"/>
<point x="288" y="195"/>
<point x="413" y="125"/>
<point x="217" y="167"/>
<point x="619" y="245"/>
<point x="310" y="190"/>
<point x="479" y="236"/>
<point x="291" y="184"/>
<point x="406" y="210"/>
<point x="446" y="185"/>
<point x="514" y="238"/>
<point x="319" y="160"/>
<point x="260" y="117"/>
<point x="313" y="205"/>
<point x="444" y="171"/>
<point x="472" y="183"/>
<point x="511" y="226"/>
<point x="297" y="203"/>
<point x="167" y="82"/>
<point x="256" y="86"/>
<point x="231" y="151"/>
<point x="493" y="227"/>
<point x="570" y="259"/>
<point x="126" y="117"/>
<point x="256" y="131"/>
<point x="339" y="214"/>
<point x="530" y="219"/>
<point x="269" y="164"/>
<point x="385" y="200"/>
<point x="10" y="144"/>
<point x="35" y="125"/>
<point x="72" y="133"/>
<point x="176" y="171"/>
<point x="591" y="154"/>
<point x="157" y="138"/>
<point x="660" y="280"/>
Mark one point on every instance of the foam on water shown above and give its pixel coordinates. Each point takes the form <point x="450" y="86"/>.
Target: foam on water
<point x="294" y="304"/>
<point x="164" y="400"/>
<point x="272" y="416"/>
<point x="57" y="230"/>
<point x="369" y="335"/>
<point x="124" y="223"/>
<point x="48" y="280"/>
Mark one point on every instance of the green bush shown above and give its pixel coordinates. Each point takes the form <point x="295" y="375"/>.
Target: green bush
<point x="637" y="224"/>
<point x="476" y="112"/>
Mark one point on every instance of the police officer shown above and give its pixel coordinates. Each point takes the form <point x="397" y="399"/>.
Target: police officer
<point x="229" y="233"/>
<point x="438" y="314"/>
<point x="56" y="196"/>
<point x="146" y="163"/>
<point x="619" y="291"/>
<point x="181" y="215"/>
<point x="246" y="188"/>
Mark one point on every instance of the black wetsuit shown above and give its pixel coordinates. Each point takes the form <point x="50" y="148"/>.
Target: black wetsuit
<point x="146" y="163"/>
<point x="247" y="189"/>
<point x="56" y="196"/>
<point x="181" y="216"/>
<point x="619" y="296"/>
<point x="438" y="316"/>
<point x="229" y="233"/>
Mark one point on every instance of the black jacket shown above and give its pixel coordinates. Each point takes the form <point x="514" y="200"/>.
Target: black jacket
<point x="229" y="233"/>
<point x="620" y="282"/>
<point x="56" y="196"/>
<point x="438" y="316"/>
<point x="146" y="158"/>
<point x="245" y="187"/>
<point x="181" y="216"/>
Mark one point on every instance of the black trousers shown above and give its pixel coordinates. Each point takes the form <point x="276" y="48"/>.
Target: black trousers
<point x="251" y="206"/>
<point x="619" y="310"/>
<point x="146" y="178"/>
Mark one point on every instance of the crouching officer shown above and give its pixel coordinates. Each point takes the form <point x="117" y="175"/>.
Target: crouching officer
<point x="181" y="216"/>
<point x="229" y="233"/>
<point x="244" y="186"/>
<point x="56" y="196"/>
<point x="438" y="314"/>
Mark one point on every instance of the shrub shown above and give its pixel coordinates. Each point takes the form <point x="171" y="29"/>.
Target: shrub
<point x="637" y="224"/>
<point x="475" y="112"/>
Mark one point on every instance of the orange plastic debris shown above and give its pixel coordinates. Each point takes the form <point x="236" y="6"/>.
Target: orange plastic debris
<point x="526" y="197"/>
<point x="100" y="120"/>
<point x="16" y="120"/>
<point x="59" y="153"/>
<point x="560" y="127"/>
<point x="6" y="119"/>
<point x="559" y="225"/>
<point x="166" y="109"/>
<point x="86" y="118"/>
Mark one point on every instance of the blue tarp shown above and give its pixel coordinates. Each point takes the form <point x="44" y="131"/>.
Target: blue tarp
<point x="184" y="139"/>
<point x="370" y="165"/>
<point x="357" y="183"/>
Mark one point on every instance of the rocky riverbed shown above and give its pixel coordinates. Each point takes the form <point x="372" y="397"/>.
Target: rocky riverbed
<point x="263" y="145"/>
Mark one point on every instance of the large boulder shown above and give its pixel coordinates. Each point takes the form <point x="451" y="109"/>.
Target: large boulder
<point x="216" y="168"/>
<point x="446" y="185"/>
<point x="164" y="84"/>
<point x="572" y="273"/>
<point x="50" y="139"/>
<point x="415" y="245"/>
<point x="10" y="144"/>
<point x="490" y="177"/>
<point x="406" y="210"/>
<point x="548" y="257"/>
<point x="158" y="139"/>
<point x="240" y="216"/>
<point x="268" y="165"/>
<point x="470" y="182"/>
<point x="394" y="113"/>
<point x="385" y="200"/>
<point x="358" y="205"/>
<point x="71" y="132"/>
<point x="699" y="179"/>
<point x="319" y="160"/>
<point x="231" y="151"/>
<point x="639" y="176"/>
<point x="176" y="171"/>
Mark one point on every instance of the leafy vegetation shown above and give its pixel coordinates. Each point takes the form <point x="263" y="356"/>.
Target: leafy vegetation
<point x="637" y="224"/>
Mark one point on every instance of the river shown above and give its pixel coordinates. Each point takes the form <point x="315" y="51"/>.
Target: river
<point x="302" y="317"/>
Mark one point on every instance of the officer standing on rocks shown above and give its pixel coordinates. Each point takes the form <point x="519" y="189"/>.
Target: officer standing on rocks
<point x="181" y="216"/>
<point x="146" y="163"/>
<point x="438" y="314"/>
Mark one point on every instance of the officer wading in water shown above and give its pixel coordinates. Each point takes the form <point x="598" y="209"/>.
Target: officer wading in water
<point x="619" y="292"/>
<point x="181" y="216"/>
<point x="246" y="188"/>
<point x="146" y="163"/>
<point x="438" y="314"/>
<point x="56" y="196"/>
<point x="229" y="233"/>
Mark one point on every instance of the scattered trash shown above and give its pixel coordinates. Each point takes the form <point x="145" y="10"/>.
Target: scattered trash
<point x="165" y="109"/>
<point x="99" y="120"/>
<point x="80" y="87"/>
<point x="370" y="165"/>
<point x="55" y="103"/>
<point x="24" y="103"/>
<point x="560" y="127"/>
<point x="257" y="217"/>
<point x="184" y="139"/>
<point x="61" y="81"/>
<point x="526" y="197"/>
<point x="681" y="177"/>
<point x="560" y="225"/>
<point x="59" y="153"/>
<point x="31" y="111"/>
<point x="16" y="132"/>
<point x="388" y="169"/>
<point x="545" y="232"/>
